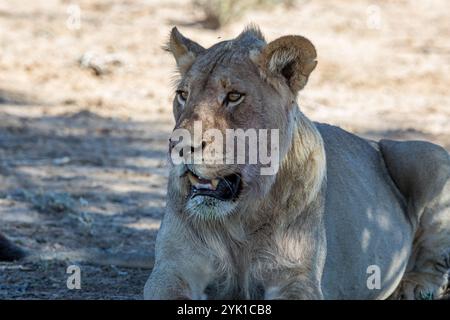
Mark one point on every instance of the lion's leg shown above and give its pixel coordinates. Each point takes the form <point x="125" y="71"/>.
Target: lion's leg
<point x="421" y="171"/>
<point x="296" y="271"/>
<point x="294" y="287"/>
<point x="171" y="283"/>
<point x="181" y="270"/>
<point x="427" y="275"/>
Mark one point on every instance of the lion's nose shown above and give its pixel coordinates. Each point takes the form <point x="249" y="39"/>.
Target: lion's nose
<point x="186" y="150"/>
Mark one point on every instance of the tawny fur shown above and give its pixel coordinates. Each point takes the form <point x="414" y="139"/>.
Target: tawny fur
<point x="310" y="231"/>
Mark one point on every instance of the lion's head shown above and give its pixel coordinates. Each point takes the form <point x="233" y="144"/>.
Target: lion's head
<point x="243" y="83"/>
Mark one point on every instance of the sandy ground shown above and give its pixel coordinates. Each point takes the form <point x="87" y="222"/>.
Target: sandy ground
<point x="85" y="116"/>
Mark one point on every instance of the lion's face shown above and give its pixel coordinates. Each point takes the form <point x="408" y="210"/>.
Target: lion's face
<point x="233" y="85"/>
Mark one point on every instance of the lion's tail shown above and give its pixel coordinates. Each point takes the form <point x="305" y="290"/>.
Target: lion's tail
<point x="9" y="251"/>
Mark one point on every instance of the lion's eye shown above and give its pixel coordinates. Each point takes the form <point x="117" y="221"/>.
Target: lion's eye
<point x="182" y="96"/>
<point x="234" y="98"/>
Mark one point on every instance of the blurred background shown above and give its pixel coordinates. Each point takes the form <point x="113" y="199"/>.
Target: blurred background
<point x="85" y="113"/>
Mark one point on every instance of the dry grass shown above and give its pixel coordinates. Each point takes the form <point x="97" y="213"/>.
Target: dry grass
<point x="221" y="12"/>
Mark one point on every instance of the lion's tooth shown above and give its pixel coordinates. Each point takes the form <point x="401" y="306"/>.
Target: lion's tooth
<point x="192" y="179"/>
<point x="214" y="183"/>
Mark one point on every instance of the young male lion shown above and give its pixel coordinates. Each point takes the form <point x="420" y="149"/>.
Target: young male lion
<point x="343" y="218"/>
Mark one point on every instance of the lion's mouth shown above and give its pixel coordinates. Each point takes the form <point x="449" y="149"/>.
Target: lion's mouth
<point x="223" y="188"/>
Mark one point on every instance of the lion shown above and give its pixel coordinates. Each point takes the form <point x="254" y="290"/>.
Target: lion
<point x="342" y="218"/>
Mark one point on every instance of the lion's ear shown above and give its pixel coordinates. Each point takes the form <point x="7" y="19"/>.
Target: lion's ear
<point x="183" y="49"/>
<point x="292" y="57"/>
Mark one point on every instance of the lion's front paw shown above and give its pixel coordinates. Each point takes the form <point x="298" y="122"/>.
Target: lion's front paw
<point x="419" y="286"/>
<point x="413" y="291"/>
